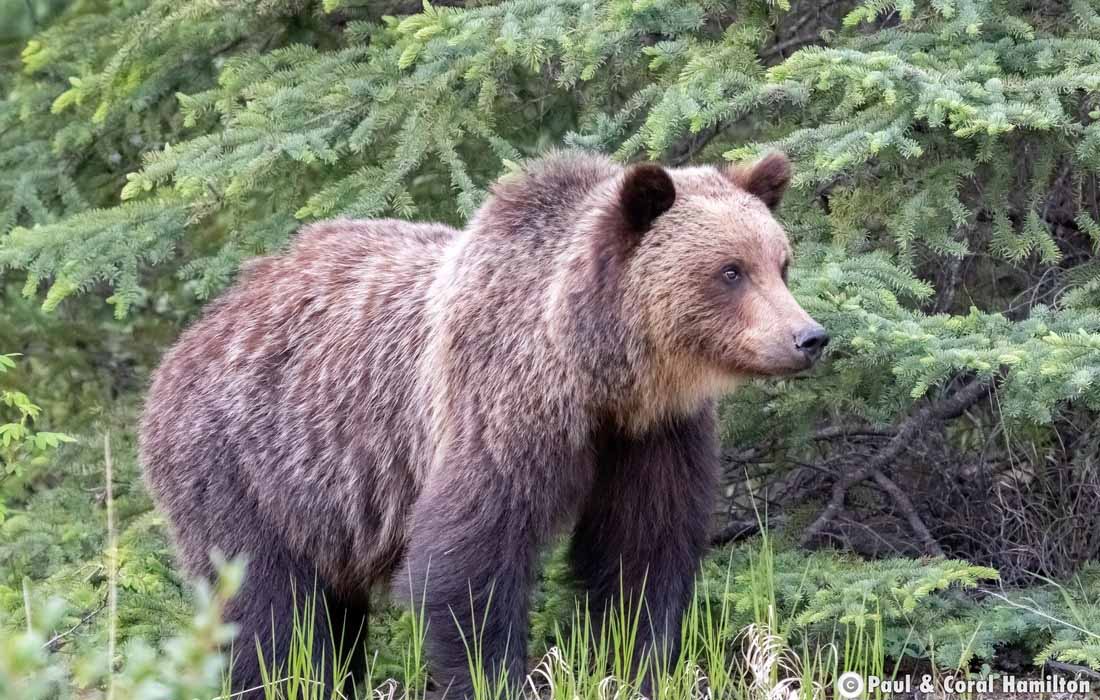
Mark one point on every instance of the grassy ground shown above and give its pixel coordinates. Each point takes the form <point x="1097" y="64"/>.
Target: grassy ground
<point x="767" y="623"/>
<point x="719" y="659"/>
<point x="773" y="657"/>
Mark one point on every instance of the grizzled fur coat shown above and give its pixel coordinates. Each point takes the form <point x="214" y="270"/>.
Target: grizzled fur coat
<point x="422" y="407"/>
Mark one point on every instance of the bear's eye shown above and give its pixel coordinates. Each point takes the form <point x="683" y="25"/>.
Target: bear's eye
<point x="731" y="273"/>
<point x="785" y="270"/>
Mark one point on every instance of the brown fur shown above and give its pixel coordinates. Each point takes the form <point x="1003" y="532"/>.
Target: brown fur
<point x="410" y="403"/>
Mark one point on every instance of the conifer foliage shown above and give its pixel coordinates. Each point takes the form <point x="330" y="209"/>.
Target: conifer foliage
<point x="929" y="135"/>
<point x="945" y="210"/>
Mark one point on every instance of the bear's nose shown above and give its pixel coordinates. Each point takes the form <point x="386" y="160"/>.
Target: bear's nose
<point x="810" y="341"/>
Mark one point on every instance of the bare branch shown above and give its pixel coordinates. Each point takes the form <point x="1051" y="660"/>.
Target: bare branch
<point x="909" y="429"/>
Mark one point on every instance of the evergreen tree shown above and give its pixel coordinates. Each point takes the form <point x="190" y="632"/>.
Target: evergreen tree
<point x="938" y="145"/>
<point x="945" y="216"/>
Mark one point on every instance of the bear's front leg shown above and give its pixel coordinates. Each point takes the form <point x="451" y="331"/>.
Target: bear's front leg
<point x="476" y="529"/>
<point x="643" y="531"/>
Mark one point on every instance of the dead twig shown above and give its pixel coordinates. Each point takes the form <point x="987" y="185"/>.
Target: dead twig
<point x="54" y="642"/>
<point x="112" y="566"/>
<point x="1072" y="668"/>
<point x="905" y="505"/>
<point x="735" y="532"/>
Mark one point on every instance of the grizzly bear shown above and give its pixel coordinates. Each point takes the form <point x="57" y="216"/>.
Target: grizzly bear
<point x="401" y="403"/>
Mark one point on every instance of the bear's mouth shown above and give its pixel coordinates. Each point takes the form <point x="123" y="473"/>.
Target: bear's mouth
<point x="799" y="367"/>
<point x="771" y="366"/>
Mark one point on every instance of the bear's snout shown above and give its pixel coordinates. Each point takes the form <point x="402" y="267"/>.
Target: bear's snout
<point x="810" y="341"/>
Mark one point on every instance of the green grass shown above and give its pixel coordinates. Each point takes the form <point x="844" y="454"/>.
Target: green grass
<point x="771" y="658"/>
<point x="767" y="622"/>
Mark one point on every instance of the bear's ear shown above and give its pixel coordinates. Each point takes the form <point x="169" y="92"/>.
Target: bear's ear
<point x="647" y="192"/>
<point x="767" y="178"/>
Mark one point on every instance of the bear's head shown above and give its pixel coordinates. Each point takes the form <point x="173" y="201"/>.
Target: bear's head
<point x="708" y="268"/>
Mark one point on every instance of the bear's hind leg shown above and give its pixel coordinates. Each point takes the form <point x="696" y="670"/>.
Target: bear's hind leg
<point x="280" y="597"/>
<point x="350" y="626"/>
